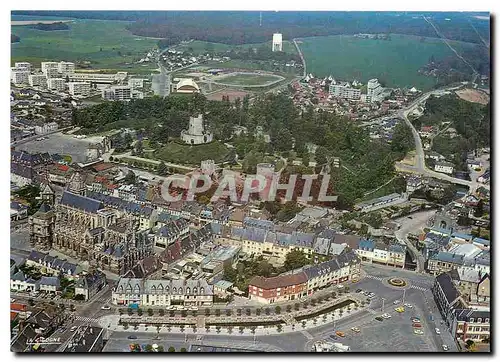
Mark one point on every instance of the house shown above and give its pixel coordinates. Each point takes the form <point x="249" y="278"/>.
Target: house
<point x="149" y="292"/>
<point x="49" y="284"/>
<point x="484" y="178"/>
<point x="90" y="284"/>
<point x="18" y="211"/>
<point x="381" y="253"/>
<point x="444" y="167"/>
<point x="52" y="266"/>
<point x="221" y="288"/>
<point x="443" y="262"/>
<point x="474" y="165"/>
<point x="276" y="289"/>
<point x="469" y="324"/>
<point x="435" y="156"/>
<point x="380" y="201"/>
<point x="413" y="183"/>
<point x="19" y="282"/>
<point x="446" y="296"/>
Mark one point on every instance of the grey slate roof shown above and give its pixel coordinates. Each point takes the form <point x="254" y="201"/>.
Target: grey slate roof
<point x="449" y="290"/>
<point x="81" y="202"/>
<point x="53" y="281"/>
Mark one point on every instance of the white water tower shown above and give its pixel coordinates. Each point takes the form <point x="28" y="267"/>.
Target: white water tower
<point x="277" y="42"/>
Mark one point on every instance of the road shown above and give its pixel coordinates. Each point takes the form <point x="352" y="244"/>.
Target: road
<point x="417" y="222"/>
<point x="304" y="73"/>
<point x="420" y="167"/>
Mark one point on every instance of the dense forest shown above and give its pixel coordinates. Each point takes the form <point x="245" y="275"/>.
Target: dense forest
<point x="50" y="27"/>
<point x="243" y="27"/>
<point x="365" y="163"/>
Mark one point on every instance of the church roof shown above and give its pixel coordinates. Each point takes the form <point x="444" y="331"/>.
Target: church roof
<point x="81" y="202"/>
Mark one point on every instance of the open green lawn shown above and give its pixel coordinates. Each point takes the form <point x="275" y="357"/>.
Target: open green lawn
<point x="107" y="44"/>
<point x="186" y="154"/>
<point x="242" y="79"/>
<point x="394" y="62"/>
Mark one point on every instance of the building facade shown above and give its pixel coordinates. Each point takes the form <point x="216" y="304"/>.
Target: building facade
<point x="148" y="292"/>
<point x="278" y="289"/>
<point x="79" y="88"/>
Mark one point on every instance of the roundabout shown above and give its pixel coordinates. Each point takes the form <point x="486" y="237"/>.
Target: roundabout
<point x="397" y="282"/>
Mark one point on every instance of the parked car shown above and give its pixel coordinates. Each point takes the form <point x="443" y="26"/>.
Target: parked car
<point x="132" y="337"/>
<point x="417" y="325"/>
<point x="445" y="347"/>
<point x="386" y="316"/>
<point x="334" y="337"/>
<point x="359" y="290"/>
<point x="418" y="331"/>
<point x="74" y="328"/>
<point x="355" y="329"/>
<point x="415" y="320"/>
<point x="171" y="307"/>
<point x="408" y="305"/>
<point x="399" y="309"/>
<point x="396" y="302"/>
<point x="380" y="319"/>
<point x="340" y="334"/>
<point x="105" y="307"/>
<point x="193" y="308"/>
<point x="437" y="331"/>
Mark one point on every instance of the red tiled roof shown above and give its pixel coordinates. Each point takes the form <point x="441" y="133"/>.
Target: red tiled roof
<point x="280" y="281"/>
<point x="63" y="167"/>
<point x="18" y="307"/>
<point x="103" y="166"/>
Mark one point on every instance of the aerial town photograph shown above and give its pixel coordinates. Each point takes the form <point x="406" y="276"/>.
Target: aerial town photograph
<point x="250" y="181"/>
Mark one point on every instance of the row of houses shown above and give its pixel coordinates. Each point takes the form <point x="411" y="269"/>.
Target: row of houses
<point x="301" y="283"/>
<point x="464" y="304"/>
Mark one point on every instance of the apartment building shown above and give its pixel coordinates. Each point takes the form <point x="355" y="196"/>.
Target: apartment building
<point x="56" y="84"/>
<point x="66" y="68"/>
<point x="25" y="65"/>
<point x="50" y="69"/>
<point x="343" y="90"/>
<point x="19" y="75"/>
<point x="278" y="289"/>
<point x="381" y="253"/>
<point x="117" y="93"/>
<point x="79" y="88"/>
<point x="38" y="80"/>
<point x="444" y="167"/>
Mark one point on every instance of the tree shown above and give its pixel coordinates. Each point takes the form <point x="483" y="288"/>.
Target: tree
<point x="268" y="311"/>
<point x="161" y="312"/>
<point x="295" y="259"/>
<point x="277" y="309"/>
<point x="149" y="348"/>
<point x="283" y="140"/>
<point x="258" y="311"/>
<point x="288" y="308"/>
<point x="171" y="349"/>
<point x="139" y="311"/>
<point x="306" y="158"/>
<point x="150" y="312"/>
<point x="130" y="178"/>
<point x="229" y="312"/>
<point x="248" y="311"/>
<point x="183" y="349"/>
<point x="160" y="349"/>
<point x="162" y="169"/>
<point x="207" y="312"/>
<point x="321" y="155"/>
<point x="479" y="209"/>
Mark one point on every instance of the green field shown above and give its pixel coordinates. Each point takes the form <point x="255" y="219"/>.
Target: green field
<point x="106" y="44"/>
<point x="244" y="79"/>
<point x="393" y="62"/>
<point x="193" y="155"/>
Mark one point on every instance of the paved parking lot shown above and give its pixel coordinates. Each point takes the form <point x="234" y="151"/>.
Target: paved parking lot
<point x="394" y="334"/>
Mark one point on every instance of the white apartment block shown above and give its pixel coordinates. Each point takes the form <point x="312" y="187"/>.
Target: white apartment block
<point x="23" y="65"/>
<point x="79" y="88"/>
<point x="136" y="83"/>
<point x="46" y="128"/>
<point x="38" y="80"/>
<point x="117" y="93"/>
<point x="49" y="65"/>
<point x="19" y="75"/>
<point x="344" y="91"/>
<point x="56" y="84"/>
<point x="137" y="94"/>
<point x="51" y="73"/>
<point x="374" y="89"/>
<point x="66" y="68"/>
